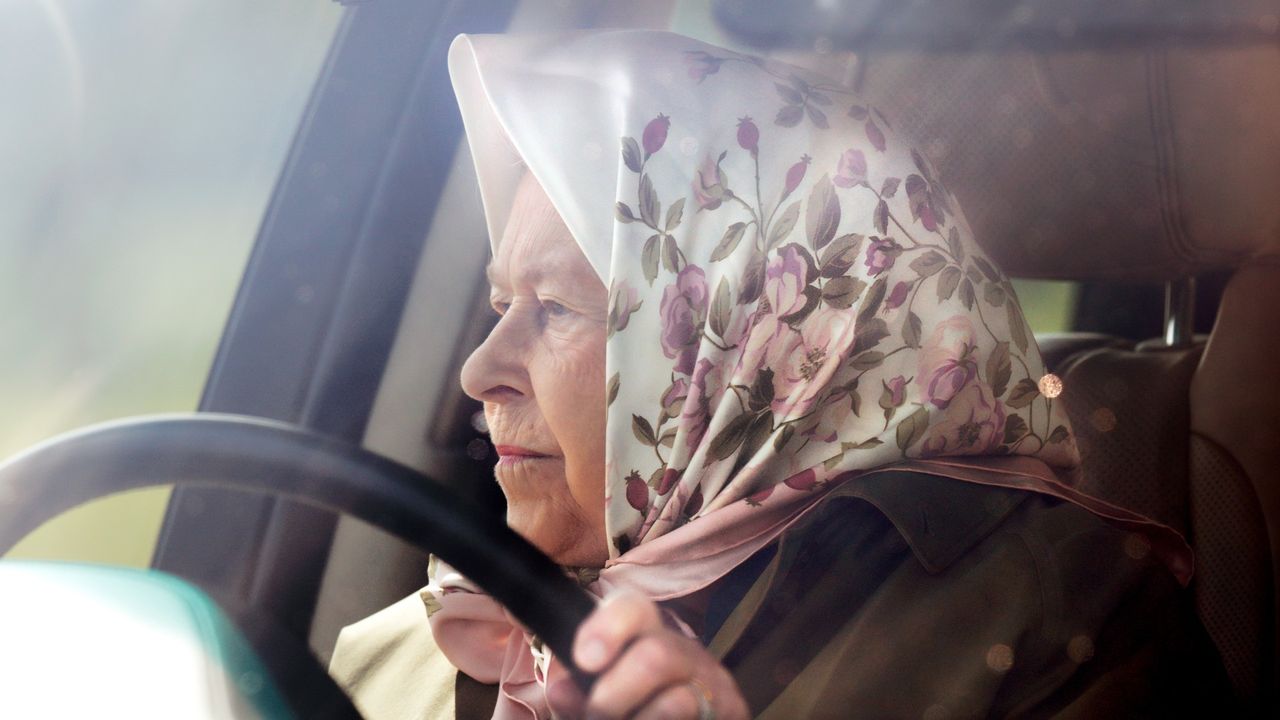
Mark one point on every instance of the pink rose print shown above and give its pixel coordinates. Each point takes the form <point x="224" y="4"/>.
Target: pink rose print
<point x="804" y="359"/>
<point x="709" y="185"/>
<point x="826" y="337"/>
<point x="707" y="385"/>
<point x="947" y="361"/>
<point x="973" y="424"/>
<point x="701" y="64"/>
<point x="703" y="394"/>
<point x="795" y="174"/>
<point x="655" y="134"/>
<point x="881" y="254"/>
<point x="748" y="136"/>
<point x="896" y="391"/>
<point x="894" y="395"/>
<point x="897" y="296"/>
<point x="784" y="282"/>
<point x="851" y="170"/>
<point x="683" y="309"/>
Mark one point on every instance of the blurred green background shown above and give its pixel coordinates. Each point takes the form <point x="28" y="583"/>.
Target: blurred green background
<point x="139" y="143"/>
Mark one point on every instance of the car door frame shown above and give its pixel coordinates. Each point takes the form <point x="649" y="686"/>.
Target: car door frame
<point x="321" y="298"/>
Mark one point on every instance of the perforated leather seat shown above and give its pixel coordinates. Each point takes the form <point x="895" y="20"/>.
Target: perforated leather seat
<point x="1235" y="472"/>
<point x="1132" y="409"/>
<point x="1142" y="166"/>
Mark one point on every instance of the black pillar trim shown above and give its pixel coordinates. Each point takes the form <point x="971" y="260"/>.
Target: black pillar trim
<point x="315" y="317"/>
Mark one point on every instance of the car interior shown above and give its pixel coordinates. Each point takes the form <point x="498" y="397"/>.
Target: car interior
<point x="1129" y="149"/>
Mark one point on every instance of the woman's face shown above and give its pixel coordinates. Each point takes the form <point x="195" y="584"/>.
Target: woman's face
<point x="540" y="374"/>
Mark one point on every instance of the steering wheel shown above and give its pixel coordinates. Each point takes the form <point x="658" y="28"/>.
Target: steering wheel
<point x="266" y="456"/>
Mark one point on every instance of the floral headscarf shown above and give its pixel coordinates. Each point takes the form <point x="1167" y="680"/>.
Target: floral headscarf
<point x="795" y="296"/>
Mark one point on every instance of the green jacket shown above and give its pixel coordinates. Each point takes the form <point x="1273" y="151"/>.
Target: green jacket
<point x="902" y="596"/>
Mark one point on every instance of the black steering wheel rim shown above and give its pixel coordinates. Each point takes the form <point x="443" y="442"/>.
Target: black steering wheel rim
<point x="267" y="456"/>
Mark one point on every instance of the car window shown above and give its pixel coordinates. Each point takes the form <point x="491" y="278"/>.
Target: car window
<point x="1049" y="305"/>
<point x="146" y="141"/>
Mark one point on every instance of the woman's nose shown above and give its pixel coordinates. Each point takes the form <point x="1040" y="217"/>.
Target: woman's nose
<point x="494" y="372"/>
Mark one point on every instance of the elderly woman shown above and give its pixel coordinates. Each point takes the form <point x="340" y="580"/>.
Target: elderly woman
<point x="756" y="384"/>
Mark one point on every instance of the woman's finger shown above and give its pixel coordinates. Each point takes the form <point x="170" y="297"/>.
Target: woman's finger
<point x="563" y="694"/>
<point x="677" y="701"/>
<point x="620" y="619"/>
<point x="643" y="668"/>
<point x="646" y="668"/>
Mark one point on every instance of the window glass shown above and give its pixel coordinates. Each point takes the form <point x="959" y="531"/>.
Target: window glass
<point x="141" y="141"/>
<point x="1049" y="305"/>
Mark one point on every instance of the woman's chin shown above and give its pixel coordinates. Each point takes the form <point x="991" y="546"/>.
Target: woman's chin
<point x="567" y="541"/>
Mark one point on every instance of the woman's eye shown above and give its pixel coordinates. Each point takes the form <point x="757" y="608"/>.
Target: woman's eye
<point x="554" y="309"/>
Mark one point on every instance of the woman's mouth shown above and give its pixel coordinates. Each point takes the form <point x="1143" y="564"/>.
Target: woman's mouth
<point x="513" y="454"/>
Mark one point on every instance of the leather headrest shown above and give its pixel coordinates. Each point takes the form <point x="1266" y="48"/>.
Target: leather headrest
<point x="1117" y="165"/>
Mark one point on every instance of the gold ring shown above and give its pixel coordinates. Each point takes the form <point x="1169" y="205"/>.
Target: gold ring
<point x="703" y="694"/>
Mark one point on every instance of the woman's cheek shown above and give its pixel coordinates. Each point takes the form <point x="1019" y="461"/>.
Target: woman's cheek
<point x="569" y="380"/>
<point x="570" y="389"/>
<point x="574" y="352"/>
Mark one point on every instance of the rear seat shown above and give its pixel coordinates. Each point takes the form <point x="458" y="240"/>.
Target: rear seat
<point x="1130" y="411"/>
<point x="1191" y="436"/>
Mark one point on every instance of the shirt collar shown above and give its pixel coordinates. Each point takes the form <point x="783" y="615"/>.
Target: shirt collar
<point x="940" y="518"/>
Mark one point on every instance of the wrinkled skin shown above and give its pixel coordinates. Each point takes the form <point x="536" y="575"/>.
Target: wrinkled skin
<point x="540" y="375"/>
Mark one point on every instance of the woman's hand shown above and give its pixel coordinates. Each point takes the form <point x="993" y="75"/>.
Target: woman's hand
<point x="643" y="668"/>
